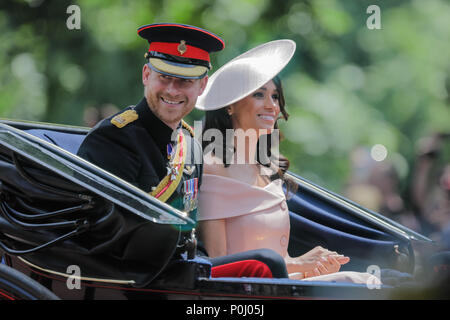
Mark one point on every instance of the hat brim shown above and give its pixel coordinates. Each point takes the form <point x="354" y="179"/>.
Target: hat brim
<point x="179" y="70"/>
<point x="245" y="74"/>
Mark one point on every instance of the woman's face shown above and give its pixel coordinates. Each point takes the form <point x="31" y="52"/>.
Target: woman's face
<point x="257" y="111"/>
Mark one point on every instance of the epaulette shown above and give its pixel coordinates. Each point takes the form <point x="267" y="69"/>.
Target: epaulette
<point x="187" y="127"/>
<point x="121" y="120"/>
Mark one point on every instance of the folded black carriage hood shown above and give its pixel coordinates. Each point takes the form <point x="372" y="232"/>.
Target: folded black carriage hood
<point x="85" y="174"/>
<point x="388" y="225"/>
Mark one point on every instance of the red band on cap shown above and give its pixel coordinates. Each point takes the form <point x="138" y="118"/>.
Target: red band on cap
<point x="172" y="48"/>
<point x="185" y="27"/>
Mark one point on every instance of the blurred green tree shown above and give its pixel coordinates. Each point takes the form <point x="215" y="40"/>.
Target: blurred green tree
<point x="347" y="86"/>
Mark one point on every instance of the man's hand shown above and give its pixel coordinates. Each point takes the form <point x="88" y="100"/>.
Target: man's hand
<point x="316" y="262"/>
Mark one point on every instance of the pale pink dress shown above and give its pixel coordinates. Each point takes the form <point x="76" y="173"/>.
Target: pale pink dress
<point x="255" y="218"/>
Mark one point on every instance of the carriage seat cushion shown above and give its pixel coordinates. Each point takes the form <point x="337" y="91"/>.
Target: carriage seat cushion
<point x="68" y="141"/>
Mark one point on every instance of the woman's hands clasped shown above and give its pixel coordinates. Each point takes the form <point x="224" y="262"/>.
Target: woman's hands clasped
<point x="316" y="262"/>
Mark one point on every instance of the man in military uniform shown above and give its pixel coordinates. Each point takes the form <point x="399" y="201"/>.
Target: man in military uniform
<point x="150" y="146"/>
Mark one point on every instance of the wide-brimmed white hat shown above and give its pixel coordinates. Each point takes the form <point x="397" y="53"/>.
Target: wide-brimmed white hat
<point x="245" y="74"/>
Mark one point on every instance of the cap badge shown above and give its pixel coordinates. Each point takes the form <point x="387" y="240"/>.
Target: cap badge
<point x="182" y="47"/>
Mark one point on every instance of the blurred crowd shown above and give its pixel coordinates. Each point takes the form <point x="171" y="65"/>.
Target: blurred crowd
<point x="423" y="203"/>
<point x="92" y="115"/>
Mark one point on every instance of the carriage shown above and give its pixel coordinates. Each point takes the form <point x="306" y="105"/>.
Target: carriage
<point x="70" y="230"/>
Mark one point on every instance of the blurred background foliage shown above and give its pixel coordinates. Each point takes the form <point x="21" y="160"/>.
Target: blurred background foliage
<point x="355" y="96"/>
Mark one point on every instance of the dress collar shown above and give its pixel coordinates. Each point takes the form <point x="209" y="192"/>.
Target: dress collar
<point x="223" y="197"/>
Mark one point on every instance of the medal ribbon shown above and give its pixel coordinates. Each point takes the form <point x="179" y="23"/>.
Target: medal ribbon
<point x="168" y="185"/>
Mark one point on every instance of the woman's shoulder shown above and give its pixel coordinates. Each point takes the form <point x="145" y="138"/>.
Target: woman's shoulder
<point x="213" y="165"/>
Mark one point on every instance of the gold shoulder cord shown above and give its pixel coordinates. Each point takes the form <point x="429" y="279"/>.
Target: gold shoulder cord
<point x="187" y="127"/>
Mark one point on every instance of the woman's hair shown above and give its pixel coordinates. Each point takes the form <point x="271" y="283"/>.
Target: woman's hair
<point x="220" y="120"/>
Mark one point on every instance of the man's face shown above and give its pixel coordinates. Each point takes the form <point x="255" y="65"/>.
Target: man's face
<point x="171" y="98"/>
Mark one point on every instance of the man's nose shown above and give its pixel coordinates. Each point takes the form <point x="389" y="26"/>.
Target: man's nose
<point x="172" y="88"/>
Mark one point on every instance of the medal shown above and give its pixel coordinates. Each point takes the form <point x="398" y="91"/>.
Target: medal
<point x="172" y="172"/>
<point x="189" y="170"/>
<point x="170" y="151"/>
<point x="190" y="194"/>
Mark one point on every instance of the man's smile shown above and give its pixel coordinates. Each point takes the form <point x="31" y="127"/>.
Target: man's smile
<point x="171" y="102"/>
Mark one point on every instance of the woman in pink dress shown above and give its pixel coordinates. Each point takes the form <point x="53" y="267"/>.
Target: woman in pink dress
<point x="242" y="205"/>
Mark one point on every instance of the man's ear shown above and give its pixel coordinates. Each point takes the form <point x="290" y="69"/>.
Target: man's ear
<point x="203" y="83"/>
<point x="145" y="74"/>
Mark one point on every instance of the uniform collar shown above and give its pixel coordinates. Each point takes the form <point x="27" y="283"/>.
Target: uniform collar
<point x="158" y="130"/>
